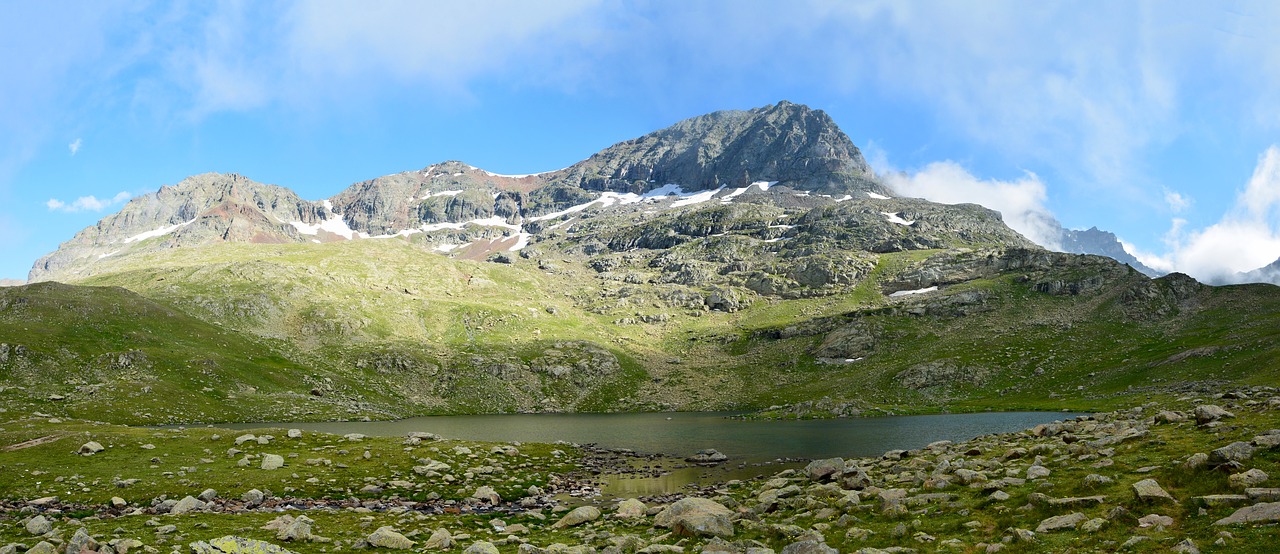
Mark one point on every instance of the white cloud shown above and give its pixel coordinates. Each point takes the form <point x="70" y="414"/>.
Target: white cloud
<point x="1020" y="202"/>
<point x="87" y="203"/>
<point x="74" y="147"/>
<point x="1177" y="202"/>
<point x="1245" y="238"/>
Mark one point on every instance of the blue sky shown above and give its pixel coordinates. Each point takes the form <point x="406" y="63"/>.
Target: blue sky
<point x="1158" y="121"/>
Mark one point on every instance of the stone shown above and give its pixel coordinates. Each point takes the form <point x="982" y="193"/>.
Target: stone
<point x="118" y="503"/>
<point x="90" y="448"/>
<point x="696" y="517"/>
<point x="1169" y="417"/>
<point x="208" y="495"/>
<point x="296" y="529"/>
<point x="1058" y="523"/>
<point x="1095" y="480"/>
<point x="1155" y="520"/>
<point x="231" y="544"/>
<point x="386" y="537"/>
<point x="81" y="541"/>
<point x="248" y="437"/>
<point x="809" y="547"/>
<point x="1037" y="472"/>
<point x="1247" y="479"/>
<point x="708" y="456"/>
<point x="272" y="461"/>
<point x="578" y="516"/>
<point x="481" y="547"/>
<point x="253" y="497"/>
<point x="1148" y="490"/>
<point x="1215" y="500"/>
<point x="630" y="509"/>
<point x="1257" y="513"/>
<point x="1196" y="461"/>
<point x="825" y="470"/>
<point x="187" y="504"/>
<point x="1263" y="494"/>
<point x="1239" y="451"/>
<point x="294" y="433"/>
<point x="38" y="525"/>
<point x="486" y="494"/>
<point x="42" y="547"/>
<point x="969" y="476"/>
<point x="1208" y="413"/>
<point x="1186" y="547"/>
<point x="999" y="496"/>
<point x="1094" y="525"/>
<point x="439" y="540"/>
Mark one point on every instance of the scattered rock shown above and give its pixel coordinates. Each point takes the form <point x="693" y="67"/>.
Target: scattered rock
<point x="578" y="516"/>
<point x="272" y="461"/>
<point x="386" y="537"/>
<point x="696" y="517"/>
<point x="630" y="509"/>
<point x="187" y="504"/>
<point x="90" y="448"/>
<point x="1155" y="520"/>
<point x="38" y="525"/>
<point x="1247" y="479"/>
<point x="236" y="545"/>
<point x="1235" y="452"/>
<point x="1148" y="490"/>
<point x="1058" y="523"/>
<point x="1208" y="413"/>
<point x="1262" y="512"/>
<point x="708" y="456"/>
<point x="481" y="547"/>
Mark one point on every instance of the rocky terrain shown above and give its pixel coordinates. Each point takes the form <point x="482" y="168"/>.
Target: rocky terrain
<point x="1191" y="475"/>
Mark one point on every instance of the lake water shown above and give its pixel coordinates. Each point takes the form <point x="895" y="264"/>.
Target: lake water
<point x="747" y="443"/>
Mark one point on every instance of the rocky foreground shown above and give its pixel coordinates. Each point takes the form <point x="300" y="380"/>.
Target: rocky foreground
<point x="1194" y="476"/>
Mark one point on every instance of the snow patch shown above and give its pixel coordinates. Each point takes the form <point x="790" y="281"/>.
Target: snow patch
<point x="447" y="247"/>
<point x="844" y="198"/>
<point x="895" y="218"/>
<point x="911" y="292"/>
<point x="696" y="198"/>
<point x="111" y="253"/>
<point x="522" y="242"/>
<point x="877" y="196"/>
<point x="158" y="232"/>
<point x="334" y="224"/>
<point x="430" y="194"/>
<point x="763" y="185"/>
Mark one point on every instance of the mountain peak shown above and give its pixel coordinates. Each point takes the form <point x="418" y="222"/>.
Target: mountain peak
<point x="787" y="143"/>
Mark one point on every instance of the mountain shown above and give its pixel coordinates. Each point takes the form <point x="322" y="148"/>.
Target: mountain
<point x="1102" y="243"/>
<point x="735" y="261"/>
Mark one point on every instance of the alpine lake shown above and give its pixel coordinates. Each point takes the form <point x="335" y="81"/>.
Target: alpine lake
<point x="652" y="446"/>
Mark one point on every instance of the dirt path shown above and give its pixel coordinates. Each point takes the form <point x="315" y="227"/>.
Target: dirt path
<point x="32" y="442"/>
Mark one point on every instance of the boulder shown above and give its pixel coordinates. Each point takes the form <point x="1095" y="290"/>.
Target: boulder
<point x="252" y="497"/>
<point x="486" y="494"/>
<point x="1239" y="451"/>
<point x="481" y="547"/>
<point x="825" y="470"/>
<point x="696" y="517"/>
<point x="187" y="504"/>
<point x="1155" y="520"/>
<point x="1148" y="490"/>
<point x="38" y="525"/>
<point x="272" y="461"/>
<point x="440" y="540"/>
<point x="1058" y="523"/>
<point x="630" y="509"/>
<point x="1037" y="472"/>
<point x="708" y="456"/>
<point x="386" y="537"/>
<point x="1264" y="512"/>
<point x="1209" y="413"/>
<point x="43" y="547"/>
<point x="81" y="541"/>
<point x="294" y="433"/>
<point x="90" y="448"/>
<point x="231" y="544"/>
<point x="578" y="516"/>
<point x="1247" y="479"/>
<point x="809" y="547"/>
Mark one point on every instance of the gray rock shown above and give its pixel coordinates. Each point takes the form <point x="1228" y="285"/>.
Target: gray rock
<point x="294" y="433"/>
<point x="80" y="542"/>
<point x="187" y="504"/>
<point x="708" y="456"/>
<point x="297" y="530"/>
<point x="1235" y="452"/>
<point x="387" y="537"/>
<point x="825" y="470"/>
<point x="90" y="448"/>
<point x="809" y="547"/>
<point x="38" y="525"/>
<point x="1208" y="413"/>
<point x="578" y="516"/>
<point x="43" y="547"/>
<point x="630" y="509"/>
<point x="696" y="517"/>
<point x="1257" y="513"/>
<point x="439" y="540"/>
<point x="1155" y="520"/>
<point x="272" y="461"/>
<point x="481" y="547"/>
<point x="1058" y="523"/>
<point x="1148" y="490"/>
<point x="1186" y="547"/>
<point x="1247" y="479"/>
<point x="1037" y="472"/>
<point x="231" y="544"/>
<point x="253" y="497"/>
<point x="486" y="494"/>
<point x="208" y="495"/>
<point x="1196" y="461"/>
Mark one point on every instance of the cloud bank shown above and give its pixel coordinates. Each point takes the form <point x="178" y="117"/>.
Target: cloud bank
<point x="1021" y="202"/>
<point x="87" y="203"/>
<point x="1245" y="238"/>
